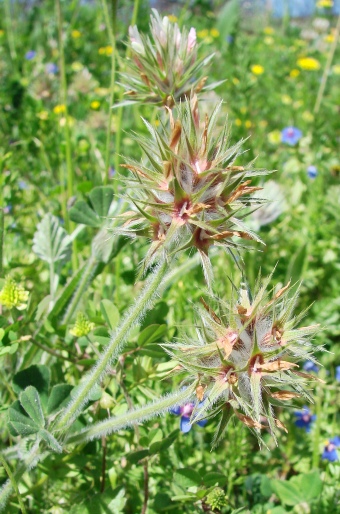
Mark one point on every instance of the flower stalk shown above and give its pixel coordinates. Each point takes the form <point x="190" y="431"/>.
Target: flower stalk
<point x="142" y="303"/>
<point x="132" y="417"/>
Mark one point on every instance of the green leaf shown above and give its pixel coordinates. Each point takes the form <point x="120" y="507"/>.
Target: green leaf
<point x="51" y="242"/>
<point x="37" y="376"/>
<point x="187" y="477"/>
<point x="110" y="313"/>
<point x="135" y="457"/>
<point x="50" y="440"/>
<point x="214" y="478"/>
<point x="151" y="334"/>
<point x="59" y="396"/>
<point x="227" y="18"/>
<point x="82" y="213"/>
<point x="164" y="444"/>
<point x="66" y="295"/>
<point x="309" y="484"/>
<point x="101" y="198"/>
<point x="30" y="401"/>
<point x="288" y="493"/>
<point x="297" y="265"/>
<point x="19" y="423"/>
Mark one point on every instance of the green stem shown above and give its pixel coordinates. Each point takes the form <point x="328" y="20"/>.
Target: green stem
<point x="112" y="37"/>
<point x="86" y="277"/>
<point x="317" y="428"/>
<point x="67" y="132"/>
<point x="14" y="484"/>
<point x="28" y="463"/>
<point x="9" y="30"/>
<point x="327" y="68"/>
<point x="2" y="229"/>
<point x="118" y="139"/>
<point x="132" y="417"/>
<point x="142" y="303"/>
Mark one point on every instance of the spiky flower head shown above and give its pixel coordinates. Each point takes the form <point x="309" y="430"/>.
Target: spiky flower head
<point x="188" y="192"/>
<point x="245" y="358"/>
<point x="82" y="326"/>
<point x="164" y="66"/>
<point x="13" y="295"/>
<point x="216" y="499"/>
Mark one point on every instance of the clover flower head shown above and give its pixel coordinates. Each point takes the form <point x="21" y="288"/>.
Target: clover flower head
<point x="82" y="326"/>
<point x="164" y="66"/>
<point x="185" y="411"/>
<point x="291" y="135"/>
<point x="216" y="499"/>
<point x="311" y="366"/>
<point x="304" y="419"/>
<point x="330" y="452"/>
<point x="244" y="358"/>
<point x="13" y="295"/>
<point x="189" y="193"/>
<point x="312" y="172"/>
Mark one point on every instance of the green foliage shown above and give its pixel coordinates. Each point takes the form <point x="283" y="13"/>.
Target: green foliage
<point x="60" y="208"/>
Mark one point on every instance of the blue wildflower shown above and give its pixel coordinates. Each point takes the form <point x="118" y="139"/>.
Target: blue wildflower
<point x="311" y="366"/>
<point x="51" y="68"/>
<point x="30" y="55"/>
<point x="185" y="412"/>
<point x="337" y="373"/>
<point x="330" y="451"/>
<point x="312" y="172"/>
<point x="304" y="418"/>
<point x="229" y="38"/>
<point x="291" y="135"/>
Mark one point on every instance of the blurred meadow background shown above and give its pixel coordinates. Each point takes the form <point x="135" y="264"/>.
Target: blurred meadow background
<point x="60" y="66"/>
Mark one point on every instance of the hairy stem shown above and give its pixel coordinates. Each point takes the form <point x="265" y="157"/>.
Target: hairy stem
<point x="142" y="303"/>
<point x="14" y="483"/>
<point x="132" y="417"/>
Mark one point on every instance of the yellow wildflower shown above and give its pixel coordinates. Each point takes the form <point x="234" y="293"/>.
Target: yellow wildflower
<point x="263" y="123"/>
<point x="42" y="115"/>
<point x="95" y="104"/>
<point x="76" y="34"/>
<point x="294" y="73"/>
<point x="202" y="33"/>
<point x="82" y="326"/>
<point x="236" y="81"/>
<point x="329" y="38"/>
<point x="248" y="124"/>
<point x="307" y="116"/>
<point x="59" y="109"/>
<point x="286" y="99"/>
<point x="243" y="109"/>
<point x="308" y="63"/>
<point x="2" y="32"/>
<point x="77" y="66"/>
<point x="336" y="69"/>
<point x="13" y="295"/>
<point x="215" y="33"/>
<point x="274" y="137"/>
<point x="172" y="18"/>
<point x="325" y="3"/>
<point x="238" y="122"/>
<point x="269" y="40"/>
<point x="269" y="31"/>
<point x="70" y="120"/>
<point x="105" y="50"/>
<point x="257" y="69"/>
